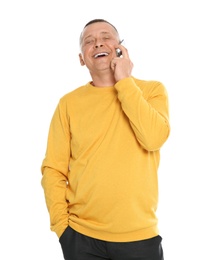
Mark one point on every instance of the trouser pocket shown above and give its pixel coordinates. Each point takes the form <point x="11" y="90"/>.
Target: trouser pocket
<point x="66" y="241"/>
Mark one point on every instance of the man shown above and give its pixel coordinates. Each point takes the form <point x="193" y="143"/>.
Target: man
<point x="100" y="169"/>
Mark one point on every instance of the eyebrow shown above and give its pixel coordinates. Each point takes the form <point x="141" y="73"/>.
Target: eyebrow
<point x="88" y="36"/>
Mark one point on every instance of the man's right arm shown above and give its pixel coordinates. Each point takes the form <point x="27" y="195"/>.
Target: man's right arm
<point x="55" y="167"/>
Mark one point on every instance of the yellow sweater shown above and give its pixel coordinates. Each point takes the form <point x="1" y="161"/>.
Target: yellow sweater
<point x="100" y="168"/>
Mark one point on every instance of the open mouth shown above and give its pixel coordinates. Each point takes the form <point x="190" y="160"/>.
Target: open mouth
<point x="101" y="54"/>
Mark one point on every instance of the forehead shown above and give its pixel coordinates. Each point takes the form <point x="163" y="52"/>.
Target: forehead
<point x="98" y="28"/>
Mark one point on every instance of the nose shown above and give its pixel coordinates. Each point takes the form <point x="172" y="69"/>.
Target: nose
<point x="98" y="45"/>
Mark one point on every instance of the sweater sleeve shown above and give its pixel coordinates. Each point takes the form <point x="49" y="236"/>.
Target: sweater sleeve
<point x="145" y="103"/>
<point x="55" y="167"/>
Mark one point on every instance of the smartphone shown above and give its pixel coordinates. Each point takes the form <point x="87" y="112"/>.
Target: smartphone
<point x="118" y="51"/>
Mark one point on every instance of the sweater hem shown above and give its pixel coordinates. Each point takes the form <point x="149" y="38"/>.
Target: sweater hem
<point x="137" y="235"/>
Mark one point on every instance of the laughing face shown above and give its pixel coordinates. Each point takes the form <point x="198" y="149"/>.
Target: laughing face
<point x="98" y="42"/>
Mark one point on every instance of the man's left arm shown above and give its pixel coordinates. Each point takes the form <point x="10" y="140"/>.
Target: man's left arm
<point x="147" y="111"/>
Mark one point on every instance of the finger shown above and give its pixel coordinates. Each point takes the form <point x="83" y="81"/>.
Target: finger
<point x="124" y="51"/>
<point x="113" y="64"/>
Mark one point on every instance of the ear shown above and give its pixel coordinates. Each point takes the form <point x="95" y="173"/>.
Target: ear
<point x="81" y="59"/>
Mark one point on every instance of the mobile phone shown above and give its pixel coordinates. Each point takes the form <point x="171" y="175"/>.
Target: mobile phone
<point x="118" y="51"/>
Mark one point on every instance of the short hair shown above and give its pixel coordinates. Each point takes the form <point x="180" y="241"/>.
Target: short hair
<point x="97" y="21"/>
<point x="100" y="21"/>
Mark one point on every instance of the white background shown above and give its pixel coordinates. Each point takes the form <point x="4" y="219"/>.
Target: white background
<point x="167" y="41"/>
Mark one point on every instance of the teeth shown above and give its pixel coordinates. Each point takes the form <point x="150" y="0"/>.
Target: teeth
<point x="101" y="54"/>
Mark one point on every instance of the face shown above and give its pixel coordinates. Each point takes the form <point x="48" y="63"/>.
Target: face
<point x="98" y="44"/>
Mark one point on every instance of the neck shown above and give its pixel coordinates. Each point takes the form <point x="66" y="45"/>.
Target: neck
<point x="103" y="80"/>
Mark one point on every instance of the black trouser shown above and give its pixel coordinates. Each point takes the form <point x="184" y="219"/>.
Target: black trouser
<point x="76" y="246"/>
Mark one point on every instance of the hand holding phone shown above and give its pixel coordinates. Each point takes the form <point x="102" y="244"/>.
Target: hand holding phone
<point x="121" y="64"/>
